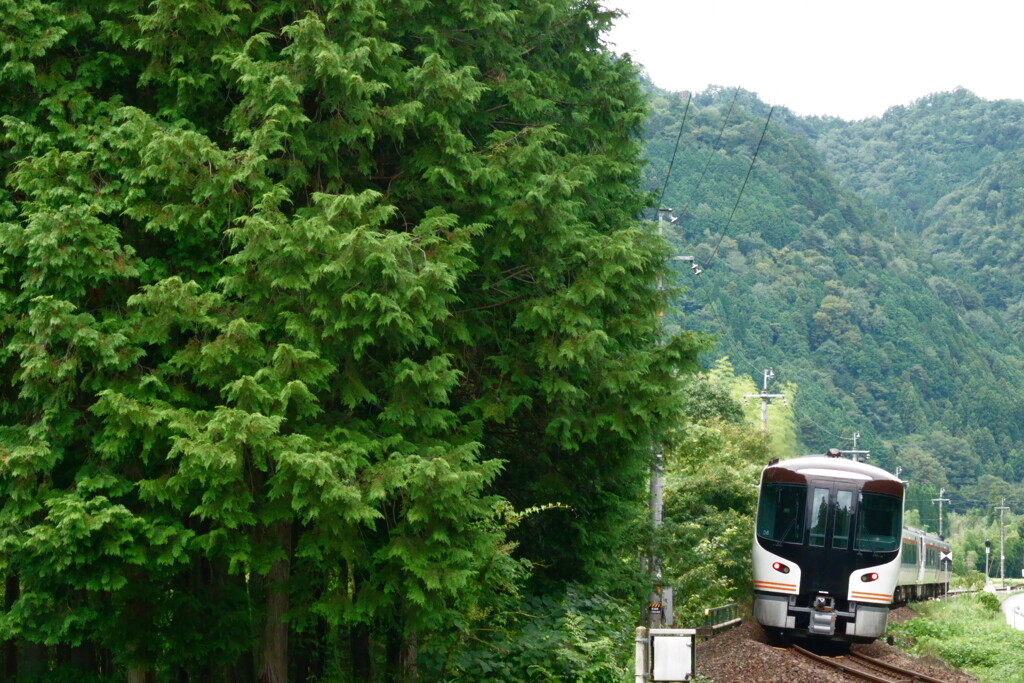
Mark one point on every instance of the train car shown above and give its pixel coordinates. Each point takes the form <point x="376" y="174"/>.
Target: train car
<point x="826" y="551"/>
<point x="925" y="566"/>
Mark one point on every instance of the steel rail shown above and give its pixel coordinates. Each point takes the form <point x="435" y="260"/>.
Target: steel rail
<point x="853" y="671"/>
<point x="900" y="671"/>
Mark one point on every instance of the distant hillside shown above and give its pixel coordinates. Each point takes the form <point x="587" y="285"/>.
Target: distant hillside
<point x="949" y="169"/>
<point x="874" y="265"/>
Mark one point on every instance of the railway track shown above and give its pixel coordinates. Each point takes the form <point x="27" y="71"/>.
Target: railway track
<point x="867" y="668"/>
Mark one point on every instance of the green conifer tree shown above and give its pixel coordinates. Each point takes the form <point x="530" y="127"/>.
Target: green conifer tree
<point x="295" y="297"/>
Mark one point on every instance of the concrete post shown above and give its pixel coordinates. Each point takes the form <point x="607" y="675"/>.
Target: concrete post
<point x="640" y="669"/>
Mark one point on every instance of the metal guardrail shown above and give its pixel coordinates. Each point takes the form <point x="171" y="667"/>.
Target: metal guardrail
<point x="718" y="615"/>
<point x="1017" y="616"/>
<point x="719" y="619"/>
<point x="994" y="589"/>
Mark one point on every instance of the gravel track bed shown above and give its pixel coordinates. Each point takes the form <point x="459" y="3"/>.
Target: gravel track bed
<point x="744" y="655"/>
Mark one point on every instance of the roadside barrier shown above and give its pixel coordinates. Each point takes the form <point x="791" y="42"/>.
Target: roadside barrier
<point x="717" y="619"/>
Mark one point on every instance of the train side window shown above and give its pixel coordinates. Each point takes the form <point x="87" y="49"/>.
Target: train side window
<point x="909" y="554"/>
<point x="819" y="516"/>
<point x="879" y="521"/>
<point x="780" y="513"/>
<point x="844" y="511"/>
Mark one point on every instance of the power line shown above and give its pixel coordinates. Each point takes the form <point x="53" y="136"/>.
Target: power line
<point x="801" y="380"/>
<point x="712" y="303"/>
<point x="712" y="150"/>
<point x="672" y="163"/>
<point x="742" y="188"/>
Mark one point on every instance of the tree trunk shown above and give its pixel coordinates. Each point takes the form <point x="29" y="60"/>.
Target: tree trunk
<point x="83" y="658"/>
<point x="80" y="657"/>
<point x="138" y="650"/>
<point x="409" y="651"/>
<point x="393" y="652"/>
<point x="11" y="591"/>
<point x="33" y="659"/>
<point x="359" y="652"/>
<point x="274" y="643"/>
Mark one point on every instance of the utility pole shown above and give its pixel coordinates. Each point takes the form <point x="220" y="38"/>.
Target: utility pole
<point x="1002" y="538"/>
<point x="659" y="602"/>
<point x="765" y="396"/>
<point x="856" y="454"/>
<point x="940" y="500"/>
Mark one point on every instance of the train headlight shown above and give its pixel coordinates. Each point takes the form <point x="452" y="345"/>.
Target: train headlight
<point x="870" y="576"/>
<point x="779" y="567"/>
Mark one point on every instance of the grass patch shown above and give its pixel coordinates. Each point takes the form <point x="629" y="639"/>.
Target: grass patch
<point x="969" y="633"/>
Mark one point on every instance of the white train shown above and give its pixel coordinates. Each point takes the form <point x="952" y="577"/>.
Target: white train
<point x="830" y="554"/>
<point x="925" y="561"/>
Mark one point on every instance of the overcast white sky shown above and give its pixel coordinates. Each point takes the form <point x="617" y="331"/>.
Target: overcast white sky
<point x="847" y="59"/>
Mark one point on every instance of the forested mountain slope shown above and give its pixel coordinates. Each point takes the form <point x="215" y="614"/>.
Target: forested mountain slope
<point x="948" y="169"/>
<point x="871" y="264"/>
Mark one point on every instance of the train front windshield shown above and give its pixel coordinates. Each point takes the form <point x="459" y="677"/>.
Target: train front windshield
<point x="801" y="514"/>
<point x="780" y="514"/>
<point x="879" y="521"/>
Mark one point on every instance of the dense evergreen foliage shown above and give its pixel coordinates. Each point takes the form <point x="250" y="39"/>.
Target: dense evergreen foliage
<point x="331" y="344"/>
<point x="310" y="312"/>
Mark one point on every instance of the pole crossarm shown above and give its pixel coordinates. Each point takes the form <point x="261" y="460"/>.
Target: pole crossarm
<point x="765" y="398"/>
<point x="940" y="500"/>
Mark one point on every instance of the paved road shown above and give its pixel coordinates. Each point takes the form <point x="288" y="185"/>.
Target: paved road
<point x="1013" y="608"/>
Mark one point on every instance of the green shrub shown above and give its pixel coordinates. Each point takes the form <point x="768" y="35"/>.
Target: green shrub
<point x="580" y="638"/>
<point x="920" y="628"/>
<point x="988" y="601"/>
<point x="967" y="633"/>
<point x="964" y="653"/>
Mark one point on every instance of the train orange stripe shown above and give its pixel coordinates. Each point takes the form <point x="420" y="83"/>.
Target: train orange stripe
<point x="776" y="586"/>
<point x="776" y="583"/>
<point x="871" y="596"/>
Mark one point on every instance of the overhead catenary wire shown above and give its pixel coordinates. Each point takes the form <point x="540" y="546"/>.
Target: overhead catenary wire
<point x="815" y="402"/>
<point x="712" y="303"/>
<point x="739" y="196"/>
<point x="808" y="398"/>
<point x="672" y="162"/>
<point x="711" y="151"/>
